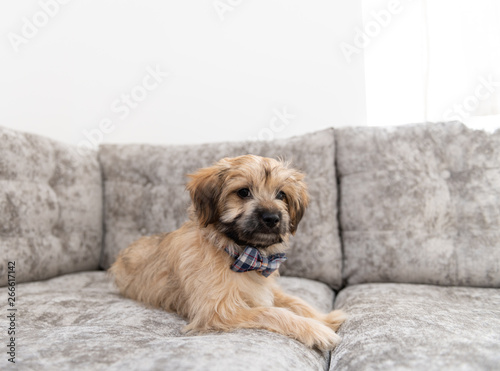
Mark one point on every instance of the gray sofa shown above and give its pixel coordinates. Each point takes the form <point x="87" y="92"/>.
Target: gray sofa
<point x="403" y="234"/>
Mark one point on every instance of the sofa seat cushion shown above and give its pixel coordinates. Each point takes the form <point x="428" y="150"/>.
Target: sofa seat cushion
<point x="79" y="321"/>
<point x="418" y="327"/>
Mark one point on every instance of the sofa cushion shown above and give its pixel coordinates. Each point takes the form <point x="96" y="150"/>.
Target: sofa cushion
<point x="144" y="188"/>
<point x="79" y="321"/>
<point x="418" y="327"/>
<point x="50" y="207"/>
<point x="420" y="204"/>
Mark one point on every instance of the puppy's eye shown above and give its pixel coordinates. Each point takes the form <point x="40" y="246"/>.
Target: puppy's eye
<point x="244" y="193"/>
<point x="281" y="195"/>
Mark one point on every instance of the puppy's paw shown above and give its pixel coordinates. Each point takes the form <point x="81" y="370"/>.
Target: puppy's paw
<point x="334" y="319"/>
<point x="188" y="330"/>
<point x="191" y="329"/>
<point x="320" y="336"/>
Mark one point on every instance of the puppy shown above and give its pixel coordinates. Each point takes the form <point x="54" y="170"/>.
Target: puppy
<point x="218" y="270"/>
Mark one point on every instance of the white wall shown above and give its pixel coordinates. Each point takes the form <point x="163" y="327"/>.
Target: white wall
<point x="236" y="69"/>
<point x="394" y="62"/>
<point x="432" y="60"/>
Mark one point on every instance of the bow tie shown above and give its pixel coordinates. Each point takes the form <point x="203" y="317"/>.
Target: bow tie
<point x="251" y="260"/>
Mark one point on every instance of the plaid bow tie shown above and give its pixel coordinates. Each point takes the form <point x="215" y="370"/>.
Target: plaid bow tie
<point x="251" y="260"/>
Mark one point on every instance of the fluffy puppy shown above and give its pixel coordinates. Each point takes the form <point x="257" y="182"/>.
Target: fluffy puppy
<point x="218" y="270"/>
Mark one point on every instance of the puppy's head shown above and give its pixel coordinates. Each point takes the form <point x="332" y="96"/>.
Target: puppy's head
<point x="253" y="200"/>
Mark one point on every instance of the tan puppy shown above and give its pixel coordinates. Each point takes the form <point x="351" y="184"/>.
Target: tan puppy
<point x="241" y="207"/>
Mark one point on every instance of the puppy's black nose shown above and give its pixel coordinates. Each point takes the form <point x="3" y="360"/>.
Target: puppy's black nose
<point x="270" y="219"/>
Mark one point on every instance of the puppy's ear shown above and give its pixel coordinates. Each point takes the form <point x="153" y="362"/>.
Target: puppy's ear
<point x="298" y="200"/>
<point x="205" y="189"/>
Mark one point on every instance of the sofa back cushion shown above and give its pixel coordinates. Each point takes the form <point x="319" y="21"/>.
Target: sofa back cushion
<point x="50" y="207"/>
<point x="420" y="204"/>
<point x="144" y="188"/>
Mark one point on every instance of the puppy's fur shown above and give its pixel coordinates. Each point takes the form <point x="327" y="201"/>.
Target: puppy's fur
<point x="188" y="272"/>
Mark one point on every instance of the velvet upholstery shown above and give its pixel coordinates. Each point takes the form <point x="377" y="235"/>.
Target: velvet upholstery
<point x="80" y="322"/>
<point x="420" y="204"/>
<point x="50" y="207"/>
<point x="418" y="327"/>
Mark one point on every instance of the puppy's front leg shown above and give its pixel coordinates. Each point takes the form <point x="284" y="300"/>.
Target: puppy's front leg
<point x="309" y="331"/>
<point x="333" y="319"/>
